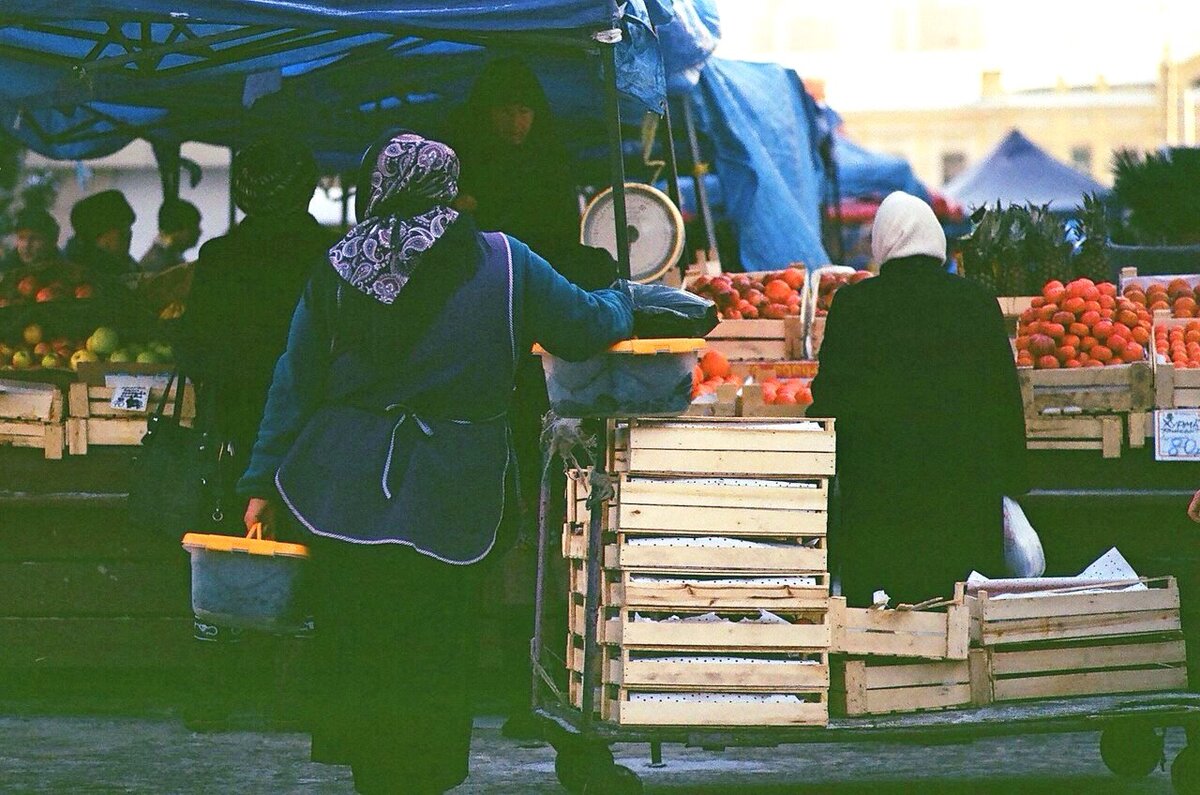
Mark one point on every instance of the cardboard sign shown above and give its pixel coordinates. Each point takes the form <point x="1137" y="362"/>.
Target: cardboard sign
<point x="1177" y="435"/>
<point x="131" y="398"/>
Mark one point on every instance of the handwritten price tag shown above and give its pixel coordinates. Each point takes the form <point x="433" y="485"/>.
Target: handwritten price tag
<point x="1177" y="435"/>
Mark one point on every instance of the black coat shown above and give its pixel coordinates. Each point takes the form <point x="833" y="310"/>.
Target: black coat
<point x="917" y="369"/>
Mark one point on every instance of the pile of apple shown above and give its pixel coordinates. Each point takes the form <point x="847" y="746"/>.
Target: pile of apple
<point x="29" y="289"/>
<point x="35" y="349"/>
<point x="749" y="296"/>
<point x="1082" y="324"/>
<point x="712" y="372"/>
<point x="1178" y="296"/>
<point x="1180" y="345"/>
<point x="787" y="391"/>
<point x="829" y="285"/>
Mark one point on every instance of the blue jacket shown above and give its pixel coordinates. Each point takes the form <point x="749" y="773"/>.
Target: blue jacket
<point x="567" y="321"/>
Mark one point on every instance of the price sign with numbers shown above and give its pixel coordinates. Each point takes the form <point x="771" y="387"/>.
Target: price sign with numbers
<point x="1177" y="435"/>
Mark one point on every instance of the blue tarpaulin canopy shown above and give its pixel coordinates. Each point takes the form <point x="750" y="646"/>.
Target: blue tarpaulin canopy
<point x="762" y="125"/>
<point x="82" y="78"/>
<point x="863" y="173"/>
<point x="1019" y="171"/>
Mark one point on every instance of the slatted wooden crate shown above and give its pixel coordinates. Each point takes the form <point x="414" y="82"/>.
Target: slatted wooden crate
<point x="32" y="415"/>
<point x="1174" y="387"/>
<point x="753" y="405"/>
<point x="92" y="421"/>
<point x="787" y="556"/>
<point x="1105" y="433"/>
<point x="722" y="403"/>
<point x="696" y="671"/>
<point x="749" y="340"/>
<point x="806" y="630"/>
<point x="1089" y="390"/>
<point x="724" y="448"/>
<point x="935" y="634"/>
<point x="721" y="708"/>
<point x="1078" y="613"/>
<point x="1086" y="666"/>
<point x="878" y="685"/>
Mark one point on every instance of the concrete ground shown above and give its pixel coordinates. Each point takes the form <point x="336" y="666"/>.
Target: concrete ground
<point x="158" y="755"/>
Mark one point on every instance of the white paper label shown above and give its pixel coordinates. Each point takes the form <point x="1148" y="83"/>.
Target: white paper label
<point x="130" y="398"/>
<point x="1177" y="435"/>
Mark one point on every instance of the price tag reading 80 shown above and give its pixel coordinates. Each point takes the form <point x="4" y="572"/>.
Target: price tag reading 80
<point x="1177" y="435"/>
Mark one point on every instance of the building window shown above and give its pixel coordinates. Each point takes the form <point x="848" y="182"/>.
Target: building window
<point x="953" y="164"/>
<point x="1081" y="158"/>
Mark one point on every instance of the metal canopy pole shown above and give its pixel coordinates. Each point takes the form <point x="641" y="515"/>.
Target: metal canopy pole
<point x="699" y="170"/>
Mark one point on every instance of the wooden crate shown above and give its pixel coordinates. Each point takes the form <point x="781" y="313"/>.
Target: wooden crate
<point x="1088" y="390"/>
<point x="733" y="672"/>
<point x="722" y="403"/>
<point x="805" y="631"/>
<point x="1085" y="667"/>
<point x="749" y="340"/>
<point x="808" y="708"/>
<point x="878" y="686"/>
<point x="726" y="447"/>
<point x="93" y="421"/>
<point x="1174" y="387"/>
<point x="753" y="405"/>
<point x="1012" y="306"/>
<point x="1075" y="614"/>
<point x="795" y="556"/>
<point x="942" y="634"/>
<point x="31" y="415"/>
<point x="1104" y="433"/>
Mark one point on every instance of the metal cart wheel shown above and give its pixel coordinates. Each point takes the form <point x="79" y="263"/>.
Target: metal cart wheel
<point x="577" y="762"/>
<point x="613" y="780"/>
<point x="1131" y="751"/>
<point x="1185" y="771"/>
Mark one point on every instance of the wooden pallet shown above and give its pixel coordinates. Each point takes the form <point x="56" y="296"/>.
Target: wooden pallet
<point x="1088" y="666"/>
<point x="878" y="686"/>
<point x="1075" y="614"/>
<point x="93" y="421"/>
<point x="1088" y="390"/>
<point x="31" y="415"/>
<point x="1079" y="432"/>
<point x="754" y="340"/>
<point x="726" y="447"/>
<point x="942" y="634"/>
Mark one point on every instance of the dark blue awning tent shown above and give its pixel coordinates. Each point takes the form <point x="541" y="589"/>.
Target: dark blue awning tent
<point x="762" y="125"/>
<point x="82" y="78"/>
<point x="1019" y="171"/>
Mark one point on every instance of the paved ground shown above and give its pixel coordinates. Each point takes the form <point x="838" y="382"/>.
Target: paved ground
<point x="158" y="755"/>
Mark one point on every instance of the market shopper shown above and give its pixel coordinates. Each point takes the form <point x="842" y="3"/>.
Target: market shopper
<point x="387" y="434"/>
<point x="917" y="369"/>
<point x="103" y="230"/>
<point x="245" y="288"/>
<point x="35" y="242"/>
<point x="178" y="232"/>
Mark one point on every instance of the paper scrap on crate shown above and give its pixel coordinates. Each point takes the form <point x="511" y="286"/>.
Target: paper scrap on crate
<point x="1111" y="568"/>
<point x="131" y="397"/>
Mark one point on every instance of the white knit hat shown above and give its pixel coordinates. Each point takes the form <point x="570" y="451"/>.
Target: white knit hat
<point x="905" y="226"/>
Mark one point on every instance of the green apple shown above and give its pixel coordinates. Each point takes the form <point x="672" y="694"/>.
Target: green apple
<point x="121" y="355"/>
<point x="52" y="360"/>
<point x="22" y="359"/>
<point x="148" y="357"/>
<point x="103" y="341"/>
<point x="82" y="355"/>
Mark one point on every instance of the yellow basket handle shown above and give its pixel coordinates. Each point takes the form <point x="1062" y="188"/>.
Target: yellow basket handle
<point x="255" y="531"/>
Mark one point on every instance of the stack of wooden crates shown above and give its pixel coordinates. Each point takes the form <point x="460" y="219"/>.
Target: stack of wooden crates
<point x="981" y="649"/>
<point x="715" y="602"/>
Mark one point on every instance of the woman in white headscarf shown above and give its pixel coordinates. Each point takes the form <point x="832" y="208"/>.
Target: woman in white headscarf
<point x="917" y="369"/>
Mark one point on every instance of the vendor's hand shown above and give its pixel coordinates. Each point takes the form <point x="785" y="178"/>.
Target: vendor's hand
<point x="261" y="511"/>
<point x="1194" y="508"/>
<point x="465" y="202"/>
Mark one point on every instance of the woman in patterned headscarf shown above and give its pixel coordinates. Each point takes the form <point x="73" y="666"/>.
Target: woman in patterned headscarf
<point x="386" y="437"/>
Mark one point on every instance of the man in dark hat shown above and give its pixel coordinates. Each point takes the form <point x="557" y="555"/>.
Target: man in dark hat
<point x="35" y="235"/>
<point x="103" y="225"/>
<point x="178" y="231"/>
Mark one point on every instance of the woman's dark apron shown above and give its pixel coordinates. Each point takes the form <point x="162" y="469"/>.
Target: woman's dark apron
<point x="421" y="456"/>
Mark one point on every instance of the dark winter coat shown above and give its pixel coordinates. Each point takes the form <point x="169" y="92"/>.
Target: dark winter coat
<point x="917" y="369"/>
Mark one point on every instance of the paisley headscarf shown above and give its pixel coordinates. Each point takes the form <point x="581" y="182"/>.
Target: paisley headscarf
<point x="413" y="181"/>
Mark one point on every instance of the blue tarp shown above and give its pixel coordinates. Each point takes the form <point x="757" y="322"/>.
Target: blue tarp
<point x="762" y="124"/>
<point x="863" y="173"/>
<point x="82" y="78"/>
<point x="1018" y="171"/>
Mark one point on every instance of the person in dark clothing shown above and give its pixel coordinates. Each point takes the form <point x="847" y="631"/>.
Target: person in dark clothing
<point x="178" y="231"/>
<point x="245" y="288"/>
<point x="917" y="369"/>
<point x="35" y="238"/>
<point x="103" y="230"/>
<point x="386" y="436"/>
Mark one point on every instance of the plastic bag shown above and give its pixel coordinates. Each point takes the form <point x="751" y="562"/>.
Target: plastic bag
<point x="1023" y="554"/>
<point x="664" y="312"/>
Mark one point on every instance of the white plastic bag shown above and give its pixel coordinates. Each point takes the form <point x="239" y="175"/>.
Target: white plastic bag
<point x="1023" y="554"/>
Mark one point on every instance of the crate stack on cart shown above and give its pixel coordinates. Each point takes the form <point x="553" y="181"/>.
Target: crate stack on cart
<point x="715" y="603"/>
<point x="982" y="647"/>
